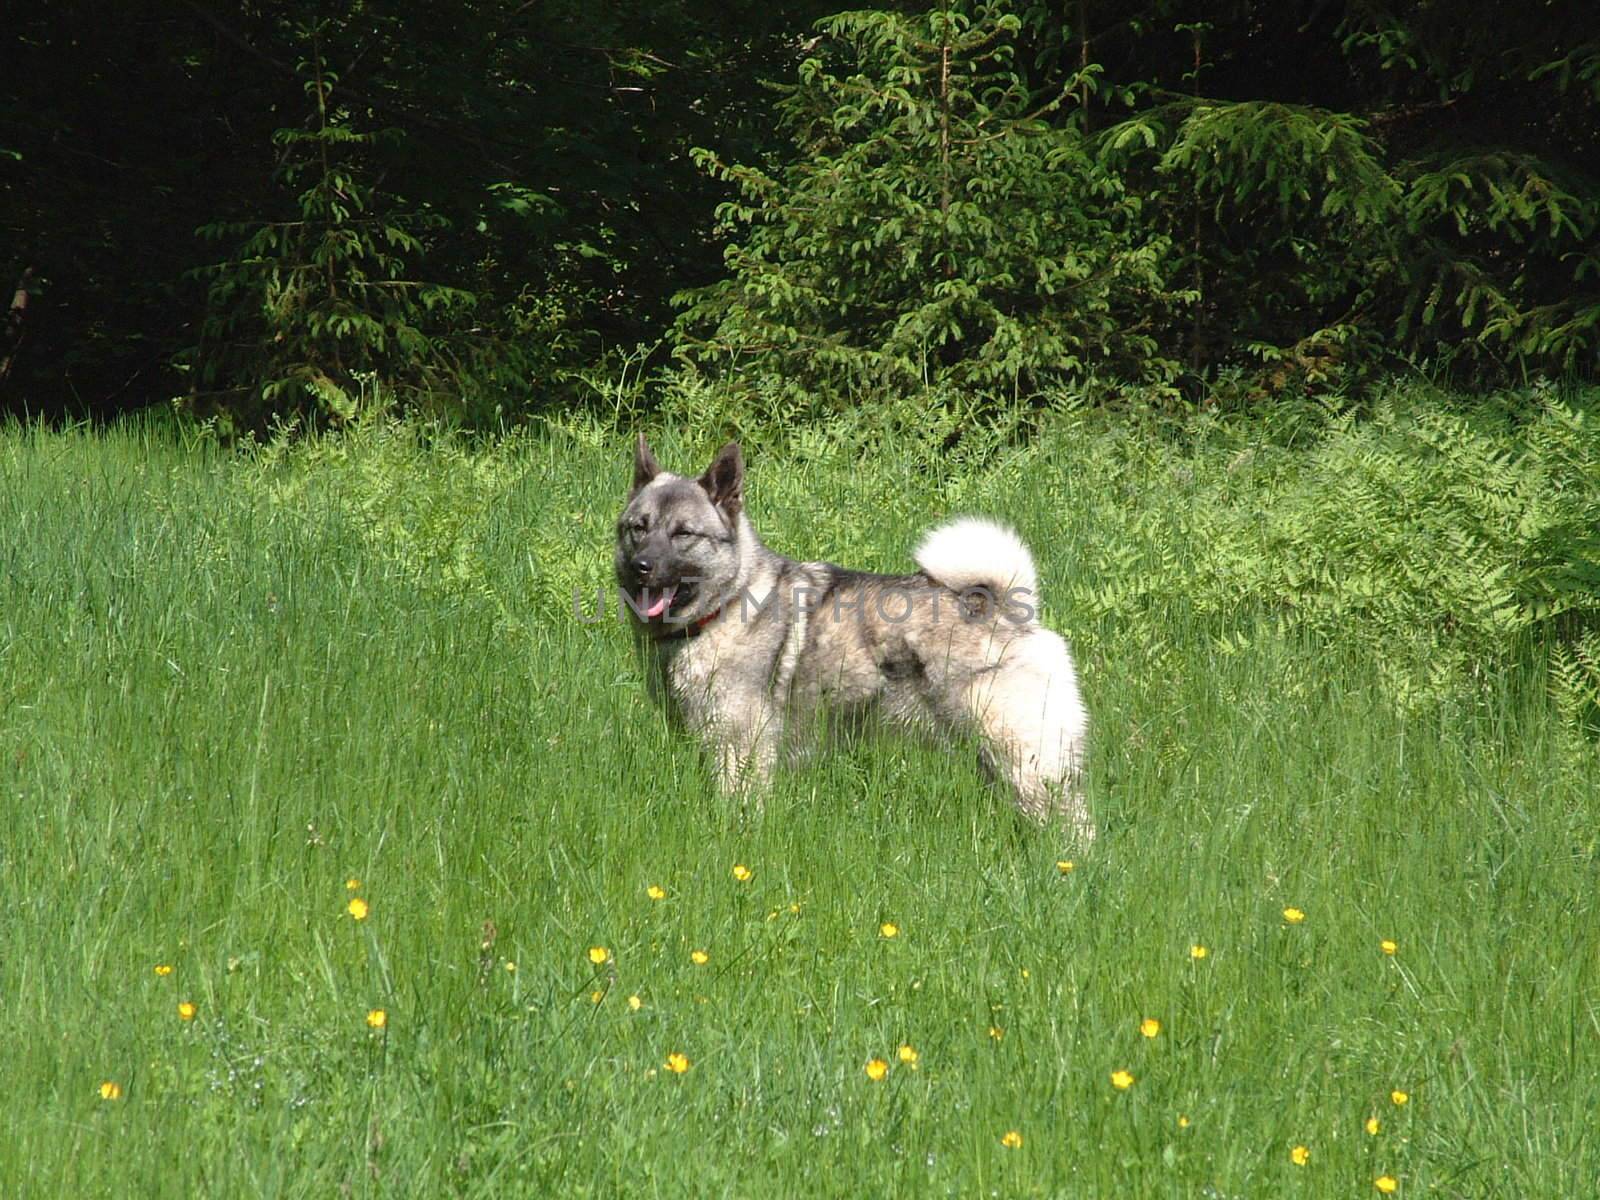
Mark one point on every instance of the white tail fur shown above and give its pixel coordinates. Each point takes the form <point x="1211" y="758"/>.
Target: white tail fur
<point x="973" y="552"/>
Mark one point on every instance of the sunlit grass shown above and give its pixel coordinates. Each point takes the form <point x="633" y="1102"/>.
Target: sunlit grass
<point x="336" y="854"/>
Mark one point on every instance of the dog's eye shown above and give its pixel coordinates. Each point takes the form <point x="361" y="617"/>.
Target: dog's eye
<point x="683" y="535"/>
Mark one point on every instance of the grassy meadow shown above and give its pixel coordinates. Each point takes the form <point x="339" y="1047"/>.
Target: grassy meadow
<point x="1339" y="929"/>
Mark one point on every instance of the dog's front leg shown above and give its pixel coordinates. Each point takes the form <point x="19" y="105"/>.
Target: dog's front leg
<point x="745" y="746"/>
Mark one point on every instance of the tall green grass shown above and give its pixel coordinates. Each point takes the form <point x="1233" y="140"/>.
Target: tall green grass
<point x="230" y="685"/>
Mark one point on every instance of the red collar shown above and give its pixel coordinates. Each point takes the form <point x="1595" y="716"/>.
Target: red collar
<point x="693" y="628"/>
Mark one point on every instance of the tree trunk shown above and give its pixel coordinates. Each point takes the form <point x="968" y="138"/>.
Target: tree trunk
<point x="11" y="339"/>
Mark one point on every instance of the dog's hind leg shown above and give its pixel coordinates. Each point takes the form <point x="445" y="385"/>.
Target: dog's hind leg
<point x="1033" y="724"/>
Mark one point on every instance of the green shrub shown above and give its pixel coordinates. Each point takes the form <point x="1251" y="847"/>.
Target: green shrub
<point x="320" y="315"/>
<point x="935" y="226"/>
<point x="1443" y="541"/>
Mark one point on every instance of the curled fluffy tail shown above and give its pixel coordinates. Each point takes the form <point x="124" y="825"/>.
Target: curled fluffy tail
<point x="976" y="553"/>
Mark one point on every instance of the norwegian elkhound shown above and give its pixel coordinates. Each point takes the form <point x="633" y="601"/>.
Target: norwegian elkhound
<point x="754" y="650"/>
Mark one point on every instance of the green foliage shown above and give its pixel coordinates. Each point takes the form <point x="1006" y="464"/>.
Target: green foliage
<point x="316" y="314"/>
<point x="428" y="506"/>
<point x="1315" y="241"/>
<point x="1442" y="541"/>
<point x="1575" y="681"/>
<point x="1255" y="197"/>
<point x="933" y="225"/>
<point x="1505" y="244"/>
<point x="1281" y="197"/>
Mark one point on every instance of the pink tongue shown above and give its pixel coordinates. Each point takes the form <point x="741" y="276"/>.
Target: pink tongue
<point x="660" y="605"/>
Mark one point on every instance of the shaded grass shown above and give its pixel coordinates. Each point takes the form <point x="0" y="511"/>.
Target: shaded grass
<point x="229" y="685"/>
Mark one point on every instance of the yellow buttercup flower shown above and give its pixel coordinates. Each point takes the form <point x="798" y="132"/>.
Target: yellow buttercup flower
<point x="511" y="967"/>
<point x="1065" y="866"/>
<point x="1293" y="915"/>
<point x="1183" y="1121"/>
<point x="876" y="1069"/>
<point x="1387" y="1184"/>
<point x="655" y="892"/>
<point x="1400" y="1097"/>
<point x="599" y="955"/>
<point x="742" y="873"/>
<point x="352" y="884"/>
<point x="1121" y="1080"/>
<point x="1300" y="1156"/>
<point x="1012" y="1140"/>
<point x="1388" y="946"/>
<point x="187" y="1010"/>
<point x="635" y="1004"/>
<point x="1198" y="951"/>
<point x="677" y="1063"/>
<point x="1150" y="1027"/>
<point x="358" y="909"/>
<point x="889" y="929"/>
<point x="377" y="1018"/>
<point x="597" y="995"/>
<point x="909" y="1056"/>
<point x="699" y="957"/>
<point x="110" y="1090"/>
<point x="1373" y="1125"/>
<point x="163" y="969"/>
<point x="996" y="1032"/>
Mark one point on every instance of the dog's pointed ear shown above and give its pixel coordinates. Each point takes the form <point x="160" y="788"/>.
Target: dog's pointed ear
<point x="645" y="466"/>
<point x="724" y="479"/>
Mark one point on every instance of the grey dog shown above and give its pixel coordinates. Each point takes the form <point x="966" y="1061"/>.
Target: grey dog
<point x="755" y="652"/>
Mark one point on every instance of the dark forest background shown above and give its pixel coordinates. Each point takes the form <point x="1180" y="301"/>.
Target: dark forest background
<point x="483" y="210"/>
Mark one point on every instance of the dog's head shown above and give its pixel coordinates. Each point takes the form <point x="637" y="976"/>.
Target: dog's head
<point x="678" y="539"/>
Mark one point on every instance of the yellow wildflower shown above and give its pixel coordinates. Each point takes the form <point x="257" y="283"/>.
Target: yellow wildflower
<point x="1121" y="1080"/>
<point x="1300" y="1156"/>
<point x="110" y="1090"/>
<point x="1387" y="1184"/>
<point x="352" y="884"/>
<point x="1293" y="915"/>
<point x="1373" y="1125"/>
<point x="1183" y="1121"/>
<point x="876" y="1069"/>
<point x="357" y="908"/>
<point x="511" y="967"/>
<point x="889" y="929"/>
<point x="1198" y="951"/>
<point x="599" y="955"/>
<point x="1399" y="1097"/>
<point x="996" y="1032"/>
<point x="909" y="1056"/>
<point x="1388" y="946"/>
<point x="187" y="1010"/>
<point x="597" y="995"/>
<point x="1150" y="1027"/>
<point x="655" y="892"/>
<point x="1065" y="866"/>
<point x="635" y="1004"/>
<point x="377" y="1018"/>
<point x="163" y="969"/>
<point x="699" y="957"/>
<point x="1012" y="1140"/>
<point x="677" y="1063"/>
<point x="741" y="872"/>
